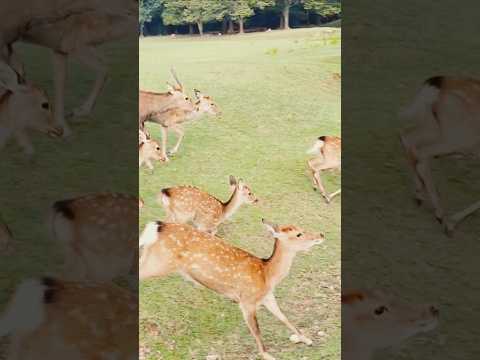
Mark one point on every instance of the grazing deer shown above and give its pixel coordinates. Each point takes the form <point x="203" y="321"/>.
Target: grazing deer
<point x="328" y="151"/>
<point x="173" y="118"/>
<point x="372" y="320"/>
<point x="185" y="204"/>
<point x="98" y="233"/>
<point x="55" y="319"/>
<point x="23" y="107"/>
<point x="77" y="36"/>
<point x="446" y="112"/>
<point x="238" y="275"/>
<point x="6" y="236"/>
<point x="149" y="151"/>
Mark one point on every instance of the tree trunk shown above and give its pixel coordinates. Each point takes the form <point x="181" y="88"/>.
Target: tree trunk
<point x="241" y="25"/>
<point x="286" y="15"/>
<point x="231" y="30"/>
<point x="200" y="27"/>
<point x="307" y="13"/>
<point x="225" y="25"/>
<point x="190" y="29"/>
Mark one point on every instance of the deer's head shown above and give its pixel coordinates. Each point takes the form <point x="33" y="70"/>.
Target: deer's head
<point x="205" y="104"/>
<point x="293" y="237"/>
<point x="242" y="190"/>
<point x="27" y="104"/>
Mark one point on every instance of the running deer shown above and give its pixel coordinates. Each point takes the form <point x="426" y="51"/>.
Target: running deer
<point x="446" y="112"/>
<point x="185" y="204"/>
<point x="49" y="318"/>
<point x="173" y="118"/>
<point x="150" y="102"/>
<point x="238" y="275"/>
<point x="6" y="237"/>
<point x="23" y="107"/>
<point x="372" y="321"/>
<point x="78" y="35"/>
<point x="328" y="151"/>
<point x="149" y="151"/>
<point x="97" y="233"/>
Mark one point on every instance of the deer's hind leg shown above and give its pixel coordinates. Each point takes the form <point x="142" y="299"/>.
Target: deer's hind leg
<point x="249" y="313"/>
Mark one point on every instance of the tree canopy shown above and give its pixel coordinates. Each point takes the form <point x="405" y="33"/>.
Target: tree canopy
<point x="179" y="15"/>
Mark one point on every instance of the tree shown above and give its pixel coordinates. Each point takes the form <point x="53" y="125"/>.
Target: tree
<point x="148" y="9"/>
<point x="323" y="7"/>
<point x="239" y="10"/>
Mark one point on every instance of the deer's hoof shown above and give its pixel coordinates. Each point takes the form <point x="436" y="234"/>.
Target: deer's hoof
<point x="296" y="339"/>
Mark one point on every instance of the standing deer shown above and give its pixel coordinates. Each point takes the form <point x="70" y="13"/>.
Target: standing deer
<point x="185" y="204"/>
<point x="446" y="112"/>
<point x="97" y="233"/>
<point x="238" y="275"/>
<point x="23" y="107"/>
<point x="57" y="320"/>
<point x="148" y="151"/>
<point x="328" y="151"/>
<point x="372" y="320"/>
<point x="6" y="237"/>
<point x="173" y="118"/>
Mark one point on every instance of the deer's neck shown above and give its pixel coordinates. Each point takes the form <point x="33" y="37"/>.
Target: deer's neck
<point x="232" y="205"/>
<point x="195" y="112"/>
<point x="279" y="264"/>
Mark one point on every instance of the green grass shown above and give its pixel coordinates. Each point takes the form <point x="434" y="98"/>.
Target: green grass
<point x="278" y="93"/>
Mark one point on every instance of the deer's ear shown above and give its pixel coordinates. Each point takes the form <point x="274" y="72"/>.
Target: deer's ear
<point x="197" y="93"/>
<point x="272" y="227"/>
<point x="233" y="181"/>
<point x="9" y="79"/>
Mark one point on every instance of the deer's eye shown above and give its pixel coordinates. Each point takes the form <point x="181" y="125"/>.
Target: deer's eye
<point x="380" y="310"/>
<point x="299" y="235"/>
<point x="45" y="105"/>
<point x="158" y="148"/>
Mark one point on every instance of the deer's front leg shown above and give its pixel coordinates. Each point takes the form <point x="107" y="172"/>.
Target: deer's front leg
<point x="178" y="130"/>
<point x="297" y="337"/>
<point x="164" y="131"/>
<point x="90" y="57"/>
<point x="250" y="317"/>
<point x="410" y="152"/>
<point x="60" y="78"/>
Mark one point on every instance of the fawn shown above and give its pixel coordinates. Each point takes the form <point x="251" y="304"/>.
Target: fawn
<point x="49" y="318"/>
<point x="148" y="151"/>
<point x="328" y="157"/>
<point x="185" y="204"/>
<point x="238" y="275"/>
<point x="446" y="112"/>
<point x="373" y="320"/>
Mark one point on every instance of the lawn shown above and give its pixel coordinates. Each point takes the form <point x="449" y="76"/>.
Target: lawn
<point x="278" y="92"/>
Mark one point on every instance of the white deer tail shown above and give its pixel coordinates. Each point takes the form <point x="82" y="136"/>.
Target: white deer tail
<point x="26" y="310"/>
<point x="422" y="103"/>
<point x="149" y="234"/>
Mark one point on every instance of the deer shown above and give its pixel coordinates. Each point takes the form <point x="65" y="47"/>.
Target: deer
<point x="232" y="272"/>
<point x="6" y="237"/>
<point x="23" y="107"/>
<point x="70" y="28"/>
<point x="51" y="318"/>
<point x="148" y="151"/>
<point x="373" y="320"/>
<point x="96" y="232"/>
<point x="150" y="102"/>
<point x="141" y="203"/>
<point x="173" y="118"/>
<point x="184" y="204"/>
<point x="328" y="151"/>
<point x="446" y="117"/>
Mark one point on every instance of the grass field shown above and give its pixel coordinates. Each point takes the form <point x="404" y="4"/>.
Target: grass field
<point x="278" y="92"/>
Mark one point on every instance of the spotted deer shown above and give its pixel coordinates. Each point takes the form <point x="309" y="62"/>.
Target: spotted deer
<point x="97" y="233"/>
<point x="446" y="113"/>
<point x="184" y="204"/>
<point x="149" y="151"/>
<point x="50" y="318"/>
<point x="173" y="118"/>
<point x="372" y="320"/>
<point x="24" y="107"/>
<point x="232" y="272"/>
<point x="78" y="35"/>
<point x="328" y="151"/>
<point x="6" y="237"/>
